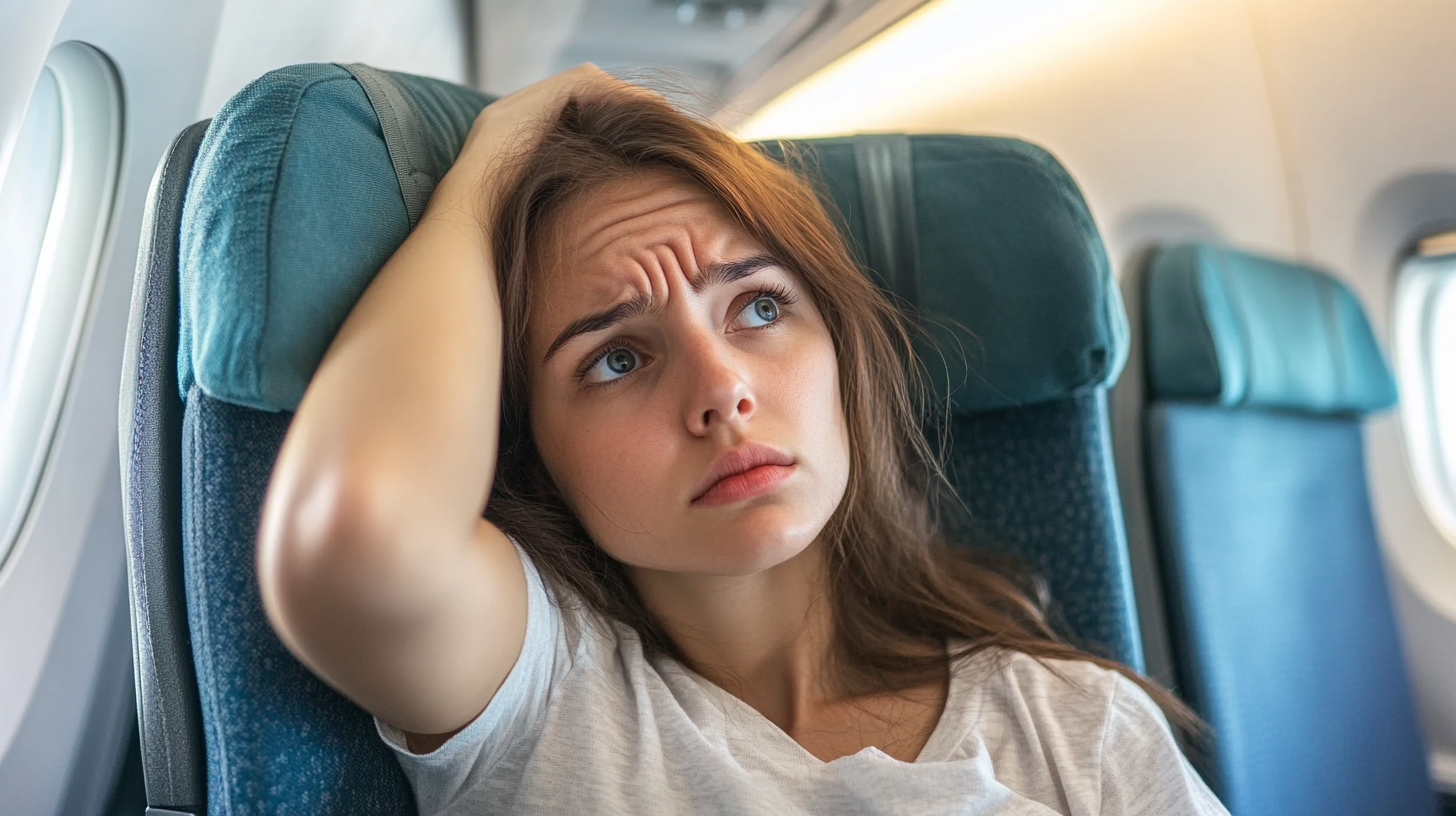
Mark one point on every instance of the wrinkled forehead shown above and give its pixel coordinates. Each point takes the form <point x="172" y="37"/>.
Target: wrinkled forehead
<point x="601" y="247"/>
<point x="624" y="215"/>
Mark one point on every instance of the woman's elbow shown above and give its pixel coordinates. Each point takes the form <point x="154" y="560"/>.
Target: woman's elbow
<point x="329" y="545"/>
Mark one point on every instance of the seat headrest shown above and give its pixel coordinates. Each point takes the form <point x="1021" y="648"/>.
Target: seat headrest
<point x="991" y="243"/>
<point x="293" y="206"/>
<point x="1237" y="329"/>
<point x="296" y="202"/>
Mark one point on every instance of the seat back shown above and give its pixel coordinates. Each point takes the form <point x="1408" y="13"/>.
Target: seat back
<point x="306" y="182"/>
<point x="989" y="245"/>
<point x="1280" y="616"/>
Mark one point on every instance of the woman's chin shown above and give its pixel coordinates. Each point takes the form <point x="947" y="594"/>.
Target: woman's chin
<point x="754" y="541"/>
<point x="743" y="543"/>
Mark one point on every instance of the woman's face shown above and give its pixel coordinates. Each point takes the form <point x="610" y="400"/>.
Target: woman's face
<point x="684" y="390"/>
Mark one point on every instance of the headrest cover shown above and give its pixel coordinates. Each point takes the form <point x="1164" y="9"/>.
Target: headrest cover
<point x="1240" y="330"/>
<point x="1005" y="267"/>
<point x="295" y="204"/>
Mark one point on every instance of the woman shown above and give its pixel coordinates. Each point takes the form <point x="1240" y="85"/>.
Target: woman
<point x="707" y="577"/>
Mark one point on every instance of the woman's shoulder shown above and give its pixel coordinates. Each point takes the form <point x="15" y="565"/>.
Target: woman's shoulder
<point x="1078" y="701"/>
<point x="583" y="633"/>
<point x="1043" y="677"/>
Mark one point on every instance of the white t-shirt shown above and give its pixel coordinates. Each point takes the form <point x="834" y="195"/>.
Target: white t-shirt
<point x="586" y="724"/>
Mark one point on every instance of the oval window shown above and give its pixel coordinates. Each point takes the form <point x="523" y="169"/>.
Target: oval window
<point x="55" y="205"/>
<point x="1425" y="362"/>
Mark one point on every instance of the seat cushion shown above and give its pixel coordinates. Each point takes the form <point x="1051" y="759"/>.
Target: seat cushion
<point x="1233" y="328"/>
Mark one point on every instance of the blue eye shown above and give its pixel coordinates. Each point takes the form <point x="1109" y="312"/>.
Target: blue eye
<point x="762" y="311"/>
<point x="616" y="363"/>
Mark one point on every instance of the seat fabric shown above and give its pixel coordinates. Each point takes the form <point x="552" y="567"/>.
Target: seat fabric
<point x="278" y="739"/>
<point x="1038" y="485"/>
<point x="1282" y="622"/>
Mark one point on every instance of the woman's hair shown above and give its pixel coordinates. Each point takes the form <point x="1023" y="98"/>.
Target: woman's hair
<point x="898" y="590"/>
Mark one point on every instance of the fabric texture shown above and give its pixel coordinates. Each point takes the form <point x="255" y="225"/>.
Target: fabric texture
<point x="1280" y="614"/>
<point x="1233" y="328"/>
<point x="585" y="723"/>
<point x="294" y="205"/>
<point x="278" y="740"/>
<point x="1037" y="484"/>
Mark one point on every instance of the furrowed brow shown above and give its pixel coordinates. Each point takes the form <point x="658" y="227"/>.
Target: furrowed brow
<point x="597" y="321"/>
<point x="721" y="272"/>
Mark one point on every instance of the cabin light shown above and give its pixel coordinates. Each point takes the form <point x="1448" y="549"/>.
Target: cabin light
<point x="729" y="14"/>
<point x="946" y="52"/>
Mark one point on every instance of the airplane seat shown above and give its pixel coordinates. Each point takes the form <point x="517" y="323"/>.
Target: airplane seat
<point x="1284" y="639"/>
<point x="264" y="228"/>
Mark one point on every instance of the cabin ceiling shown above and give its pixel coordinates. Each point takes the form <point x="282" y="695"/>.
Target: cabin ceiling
<point x="711" y="49"/>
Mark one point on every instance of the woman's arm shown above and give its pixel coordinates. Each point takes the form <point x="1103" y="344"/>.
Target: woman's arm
<point x="375" y="565"/>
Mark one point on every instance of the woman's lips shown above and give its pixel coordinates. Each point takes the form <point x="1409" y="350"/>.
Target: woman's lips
<point x="743" y="486"/>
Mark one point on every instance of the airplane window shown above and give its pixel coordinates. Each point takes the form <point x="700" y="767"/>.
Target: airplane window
<point x="25" y="205"/>
<point x="1425" y="355"/>
<point x="55" y="202"/>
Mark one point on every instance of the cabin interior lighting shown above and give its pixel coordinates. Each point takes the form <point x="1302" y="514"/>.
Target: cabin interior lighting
<point x="946" y="50"/>
<point x="730" y="14"/>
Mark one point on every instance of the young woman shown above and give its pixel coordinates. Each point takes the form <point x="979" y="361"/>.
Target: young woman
<point x="611" y="497"/>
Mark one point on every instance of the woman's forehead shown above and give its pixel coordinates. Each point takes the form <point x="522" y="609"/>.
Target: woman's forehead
<point x="625" y="213"/>
<point x="600" y="240"/>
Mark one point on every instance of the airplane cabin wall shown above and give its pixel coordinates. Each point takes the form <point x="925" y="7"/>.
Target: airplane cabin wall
<point x="65" y="659"/>
<point x="1315" y="130"/>
<point x="426" y="37"/>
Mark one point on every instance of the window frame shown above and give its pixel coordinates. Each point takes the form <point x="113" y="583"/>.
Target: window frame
<point x="1425" y="279"/>
<point x="58" y="305"/>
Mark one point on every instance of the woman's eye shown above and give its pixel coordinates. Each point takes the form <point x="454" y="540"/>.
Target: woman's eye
<point x="616" y="363"/>
<point x="762" y="311"/>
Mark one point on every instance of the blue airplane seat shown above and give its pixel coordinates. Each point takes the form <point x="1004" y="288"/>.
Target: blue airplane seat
<point x="1258" y="374"/>
<point x="266" y="224"/>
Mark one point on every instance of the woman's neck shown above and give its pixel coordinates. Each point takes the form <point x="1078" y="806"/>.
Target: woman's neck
<point x="766" y="638"/>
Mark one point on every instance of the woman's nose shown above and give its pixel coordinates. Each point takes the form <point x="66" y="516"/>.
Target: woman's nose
<point x="719" y="392"/>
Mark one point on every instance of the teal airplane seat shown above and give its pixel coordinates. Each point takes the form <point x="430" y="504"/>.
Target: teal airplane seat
<point x="266" y="224"/>
<point x="1284" y="640"/>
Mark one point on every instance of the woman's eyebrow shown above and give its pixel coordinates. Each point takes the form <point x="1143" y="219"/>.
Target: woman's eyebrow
<point x="721" y="272"/>
<point x="596" y="321"/>
<point x="716" y="273"/>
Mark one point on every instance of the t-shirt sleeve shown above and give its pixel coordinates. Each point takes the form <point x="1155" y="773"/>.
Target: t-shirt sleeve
<point x="512" y="720"/>
<point x="1144" y="773"/>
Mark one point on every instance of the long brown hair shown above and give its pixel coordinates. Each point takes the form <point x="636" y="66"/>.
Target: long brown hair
<point x="899" y="591"/>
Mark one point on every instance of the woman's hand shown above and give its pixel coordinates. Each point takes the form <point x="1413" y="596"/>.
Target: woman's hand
<point x="507" y="130"/>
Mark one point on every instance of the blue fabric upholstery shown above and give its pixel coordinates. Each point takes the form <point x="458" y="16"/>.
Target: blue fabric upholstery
<point x="1238" y="329"/>
<point x="1038" y="485"/>
<point x="1280" y="613"/>
<point x="294" y="204"/>
<point x="278" y="740"/>
<point x="1011" y="279"/>
<point x="1012" y="283"/>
